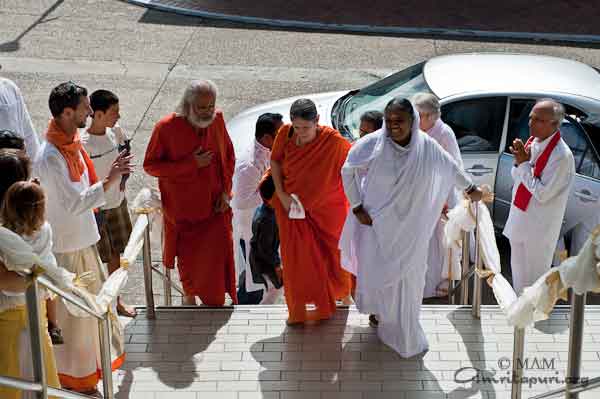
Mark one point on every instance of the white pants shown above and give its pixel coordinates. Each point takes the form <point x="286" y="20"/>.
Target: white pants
<point x="437" y="259"/>
<point x="242" y="230"/>
<point x="79" y="356"/>
<point x="528" y="262"/>
<point x="271" y="296"/>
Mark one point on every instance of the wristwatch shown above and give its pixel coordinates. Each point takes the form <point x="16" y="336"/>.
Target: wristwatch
<point x="470" y="189"/>
<point x="357" y="209"/>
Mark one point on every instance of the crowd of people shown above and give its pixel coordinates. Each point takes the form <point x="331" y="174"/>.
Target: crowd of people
<point x="301" y="213"/>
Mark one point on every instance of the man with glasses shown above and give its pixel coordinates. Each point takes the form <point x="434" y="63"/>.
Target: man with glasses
<point x="543" y="173"/>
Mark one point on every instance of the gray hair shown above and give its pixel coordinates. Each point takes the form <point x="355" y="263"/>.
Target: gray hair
<point x="428" y="103"/>
<point x="195" y="88"/>
<point x="558" y="110"/>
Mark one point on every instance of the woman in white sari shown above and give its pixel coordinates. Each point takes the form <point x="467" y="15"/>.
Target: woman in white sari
<point x="385" y="240"/>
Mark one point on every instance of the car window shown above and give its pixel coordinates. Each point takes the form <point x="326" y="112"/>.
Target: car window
<point x="375" y="97"/>
<point x="477" y="123"/>
<point x="586" y="160"/>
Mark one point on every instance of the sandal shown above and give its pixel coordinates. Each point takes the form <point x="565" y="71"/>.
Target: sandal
<point x="122" y="310"/>
<point x="373" y="321"/>
<point x="55" y="334"/>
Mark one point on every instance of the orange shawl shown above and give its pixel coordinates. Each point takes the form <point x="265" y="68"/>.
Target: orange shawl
<point x="70" y="148"/>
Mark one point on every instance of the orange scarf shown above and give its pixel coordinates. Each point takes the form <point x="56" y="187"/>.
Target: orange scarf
<point x="70" y="150"/>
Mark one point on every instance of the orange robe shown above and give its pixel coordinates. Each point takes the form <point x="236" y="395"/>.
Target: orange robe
<point x="200" y="238"/>
<point x="312" y="273"/>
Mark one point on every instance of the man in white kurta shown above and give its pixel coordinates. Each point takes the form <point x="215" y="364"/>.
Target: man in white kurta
<point x="385" y="240"/>
<point x="67" y="176"/>
<point x="249" y="170"/>
<point x="15" y="117"/>
<point x="540" y="193"/>
<point x="429" y="110"/>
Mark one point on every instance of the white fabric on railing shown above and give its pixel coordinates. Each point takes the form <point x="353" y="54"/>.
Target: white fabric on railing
<point x="582" y="273"/>
<point x="135" y="243"/>
<point x="148" y="201"/>
<point x="462" y="218"/>
<point x="19" y="256"/>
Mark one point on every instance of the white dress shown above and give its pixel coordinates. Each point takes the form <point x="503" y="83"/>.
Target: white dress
<point x="437" y="258"/>
<point x="404" y="191"/>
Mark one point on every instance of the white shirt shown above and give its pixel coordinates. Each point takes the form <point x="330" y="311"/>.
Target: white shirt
<point x="104" y="150"/>
<point x="444" y="136"/>
<point x="15" y="117"/>
<point x="544" y="215"/>
<point x="41" y="244"/>
<point x="249" y="170"/>
<point x="69" y="204"/>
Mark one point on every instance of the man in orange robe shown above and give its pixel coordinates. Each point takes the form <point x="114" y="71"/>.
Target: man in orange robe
<point x="307" y="161"/>
<point x="192" y="155"/>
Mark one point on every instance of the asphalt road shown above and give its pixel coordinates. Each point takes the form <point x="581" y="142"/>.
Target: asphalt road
<point x="147" y="58"/>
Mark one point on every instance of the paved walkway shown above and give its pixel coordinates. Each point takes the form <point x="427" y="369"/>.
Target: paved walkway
<point x="250" y="353"/>
<point x="469" y="17"/>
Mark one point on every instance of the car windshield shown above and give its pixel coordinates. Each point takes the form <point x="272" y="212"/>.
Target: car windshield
<point x="374" y="97"/>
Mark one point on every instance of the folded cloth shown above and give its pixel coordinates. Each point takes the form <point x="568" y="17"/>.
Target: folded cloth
<point x="296" y="208"/>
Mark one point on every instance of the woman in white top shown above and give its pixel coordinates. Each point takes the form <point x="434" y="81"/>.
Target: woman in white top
<point x="23" y="212"/>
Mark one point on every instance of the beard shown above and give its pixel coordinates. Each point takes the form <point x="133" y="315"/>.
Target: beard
<point x="199" y="122"/>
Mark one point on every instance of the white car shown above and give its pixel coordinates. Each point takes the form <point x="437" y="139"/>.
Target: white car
<point x="486" y="99"/>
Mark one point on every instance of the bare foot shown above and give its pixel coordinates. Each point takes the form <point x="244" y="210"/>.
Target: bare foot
<point x="347" y="301"/>
<point x="188" y="300"/>
<point x="125" y="310"/>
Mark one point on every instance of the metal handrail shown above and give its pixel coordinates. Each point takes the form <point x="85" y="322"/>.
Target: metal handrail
<point x="468" y="270"/>
<point x="37" y="387"/>
<point x="40" y="384"/>
<point x="149" y="268"/>
<point x="572" y="387"/>
<point x="575" y="389"/>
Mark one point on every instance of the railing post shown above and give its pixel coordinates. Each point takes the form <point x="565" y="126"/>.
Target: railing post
<point x="105" y="355"/>
<point x="466" y="263"/>
<point x="32" y="296"/>
<point x="167" y="287"/>
<point x="575" y="342"/>
<point x="517" y="362"/>
<point x="147" y="259"/>
<point x="476" y="308"/>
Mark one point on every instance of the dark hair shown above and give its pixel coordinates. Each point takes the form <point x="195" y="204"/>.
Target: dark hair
<point x="14" y="167"/>
<point x="102" y="100"/>
<point x="65" y="95"/>
<point x="266" y="188"/>
<point x="373" y="117"/>
<point x="9" y="139"/>
<point x="304" y="108"/>
<point x="400" y="103"/>
<point x="266" y="124"/>
<point x="24" y="208"/>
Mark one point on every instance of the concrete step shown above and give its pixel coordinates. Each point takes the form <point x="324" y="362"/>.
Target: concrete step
<point x="249" y="352"/>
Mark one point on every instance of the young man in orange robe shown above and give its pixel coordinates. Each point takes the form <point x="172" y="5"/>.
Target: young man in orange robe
<point x="192" y="155"/>
<point x="306" y="161"/>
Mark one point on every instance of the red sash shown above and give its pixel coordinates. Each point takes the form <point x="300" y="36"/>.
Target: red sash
<point x="523" y="196"/>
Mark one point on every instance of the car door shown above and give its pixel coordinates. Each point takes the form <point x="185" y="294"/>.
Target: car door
<point x="584" y="198"/>
<point x="478" y="124"/>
